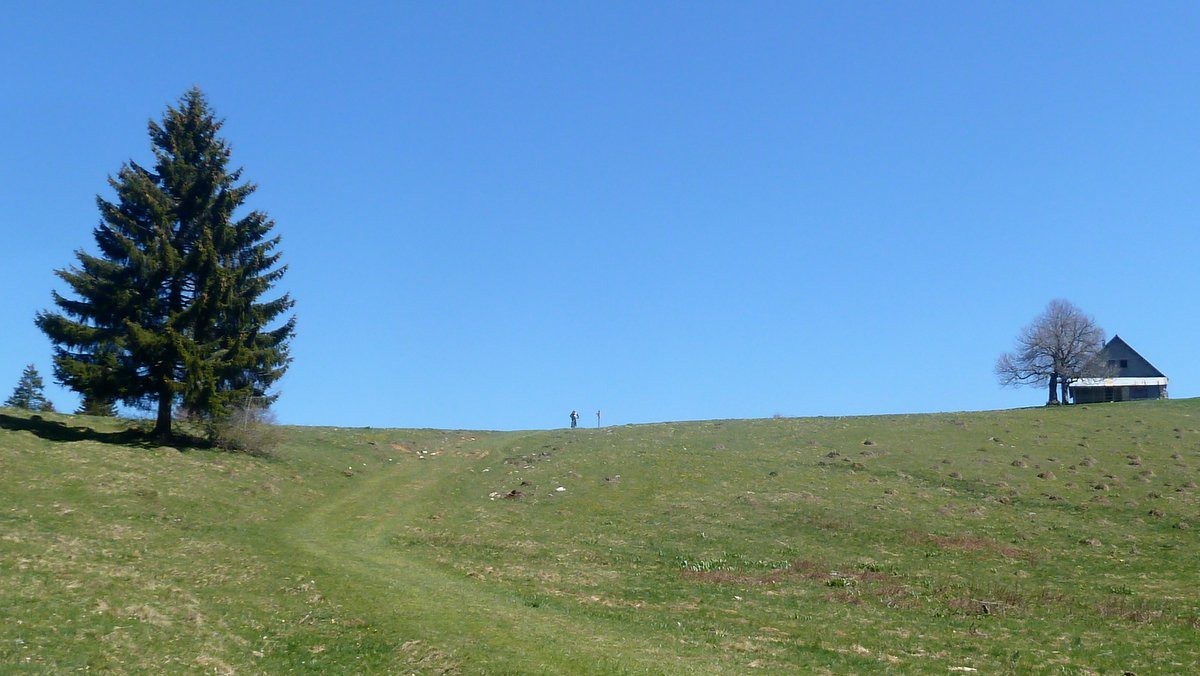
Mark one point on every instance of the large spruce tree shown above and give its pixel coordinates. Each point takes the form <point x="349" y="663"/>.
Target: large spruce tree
<point x="172" y="310"/>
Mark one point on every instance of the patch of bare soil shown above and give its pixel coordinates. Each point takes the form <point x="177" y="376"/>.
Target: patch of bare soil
<point x="970" y="543"/>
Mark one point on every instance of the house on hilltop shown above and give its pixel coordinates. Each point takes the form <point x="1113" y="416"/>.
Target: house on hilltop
<point x="1121" y="375"/>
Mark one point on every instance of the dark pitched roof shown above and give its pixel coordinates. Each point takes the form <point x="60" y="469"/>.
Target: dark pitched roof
<point x="1136" y="366"/>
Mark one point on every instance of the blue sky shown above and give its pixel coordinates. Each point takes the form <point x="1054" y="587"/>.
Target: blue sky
<point x="494" y="213"/>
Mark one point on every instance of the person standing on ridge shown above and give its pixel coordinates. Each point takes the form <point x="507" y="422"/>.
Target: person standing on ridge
<point x="574" y="418"/>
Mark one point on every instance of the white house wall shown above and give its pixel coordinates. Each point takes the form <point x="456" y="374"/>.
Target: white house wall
<point x="1119" y="382"/>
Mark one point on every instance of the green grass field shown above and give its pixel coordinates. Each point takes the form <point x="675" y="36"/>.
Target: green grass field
<point x="1036" y="540"/>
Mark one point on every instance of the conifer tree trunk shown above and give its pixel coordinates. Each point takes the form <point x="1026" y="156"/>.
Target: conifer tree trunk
<point x="162" y="424"/>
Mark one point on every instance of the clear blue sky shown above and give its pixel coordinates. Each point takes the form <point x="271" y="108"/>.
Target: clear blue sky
<point x="494" y="213"/>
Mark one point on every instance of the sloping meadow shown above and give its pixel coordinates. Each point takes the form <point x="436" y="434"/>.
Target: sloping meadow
<point x="1035" y="539"/>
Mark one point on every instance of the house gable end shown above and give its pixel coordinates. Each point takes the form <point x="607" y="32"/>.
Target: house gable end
<point x="1119" y="360"/>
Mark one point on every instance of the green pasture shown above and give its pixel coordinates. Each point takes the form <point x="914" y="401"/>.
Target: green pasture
<point x="1056" y="540"/>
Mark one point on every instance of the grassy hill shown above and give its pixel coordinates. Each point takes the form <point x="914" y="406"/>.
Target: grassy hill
<point x="1027" y="540"/>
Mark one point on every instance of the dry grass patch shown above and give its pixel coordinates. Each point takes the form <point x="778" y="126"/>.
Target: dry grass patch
<point x="970" y="543"/>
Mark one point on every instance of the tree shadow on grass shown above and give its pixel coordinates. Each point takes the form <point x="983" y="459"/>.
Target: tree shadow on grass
<point x="53" y="430"/>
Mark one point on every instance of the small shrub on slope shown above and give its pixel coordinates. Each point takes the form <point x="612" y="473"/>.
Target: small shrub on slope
<point x="249" y="429"/>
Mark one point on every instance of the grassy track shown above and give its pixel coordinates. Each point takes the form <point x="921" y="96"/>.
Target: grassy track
<point x="500" y="628"/>
<point x="1033" y="540"/>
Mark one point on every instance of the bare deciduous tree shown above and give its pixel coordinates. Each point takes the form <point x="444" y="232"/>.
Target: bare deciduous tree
<point x="1054" y="349"/>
